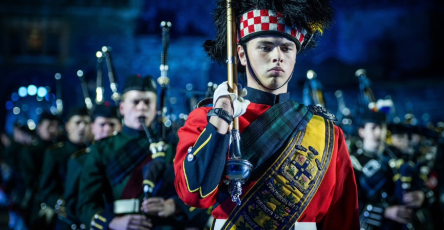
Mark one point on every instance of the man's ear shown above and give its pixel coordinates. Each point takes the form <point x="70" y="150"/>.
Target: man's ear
<point x="121" y="108"/>
<point x="361" y="133"/>
<point x="67" y="126"/>
<point x="242" y="56"/>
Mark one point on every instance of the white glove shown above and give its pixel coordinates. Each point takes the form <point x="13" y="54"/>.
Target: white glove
<point x="239" y="104"/>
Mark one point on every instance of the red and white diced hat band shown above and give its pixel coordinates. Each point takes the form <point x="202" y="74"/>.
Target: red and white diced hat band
<point x="258" y="22"/>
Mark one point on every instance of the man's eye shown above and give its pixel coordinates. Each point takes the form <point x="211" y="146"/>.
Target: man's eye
<point x="265" y="48"/>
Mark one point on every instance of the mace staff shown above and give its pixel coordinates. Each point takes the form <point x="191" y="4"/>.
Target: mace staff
<point x="236" y="169"/>
<point x="232" y="56"/>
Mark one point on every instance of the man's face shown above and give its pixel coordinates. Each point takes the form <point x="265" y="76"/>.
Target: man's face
<point x="48" y="130"/>
<point x="138" y="104"/>
<point x="272" y="59"/>
<point x="371" y="135"/>
<point x="415" y="140"/>
<point x="104" y="127"/>
<point x="79" y="129"/>
<point x="401" y="142"/>
<point x="22" y="137"/>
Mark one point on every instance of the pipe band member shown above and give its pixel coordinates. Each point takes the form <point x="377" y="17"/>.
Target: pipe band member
<point x="302" y="175"/>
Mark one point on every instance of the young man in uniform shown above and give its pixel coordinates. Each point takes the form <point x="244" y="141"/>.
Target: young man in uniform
<point x="54" y="169"/>
<point x="105" y="123"/>
<point x="112" y="178"/>
<point x="302" y="176"/>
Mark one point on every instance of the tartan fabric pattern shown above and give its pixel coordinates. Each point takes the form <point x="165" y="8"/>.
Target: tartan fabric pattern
<point x="262" y="138"/>
<point x="267" y="20"/>
<point x="134" y="152"/>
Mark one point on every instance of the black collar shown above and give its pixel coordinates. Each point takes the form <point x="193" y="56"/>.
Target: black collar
<point x="132" y="132"/>
<point x="261" y="97"/>
<point x="71" y="144"/>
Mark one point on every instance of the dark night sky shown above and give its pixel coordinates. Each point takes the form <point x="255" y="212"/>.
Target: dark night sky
<point x="398" y="42"/>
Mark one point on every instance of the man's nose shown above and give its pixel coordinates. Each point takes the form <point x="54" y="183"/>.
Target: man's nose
<point x="142" y="106"/>
<point x="277" y="55"/>
<point x="82" y="125"/>
<point x="377" y="131"/>
<point x="107" y="128"/>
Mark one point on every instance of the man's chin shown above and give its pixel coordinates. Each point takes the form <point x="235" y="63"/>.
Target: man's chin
<point x="273" y="82"/>
<point x="138" y="127"/>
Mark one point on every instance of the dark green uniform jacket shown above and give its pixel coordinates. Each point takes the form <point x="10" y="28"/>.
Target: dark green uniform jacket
<point x="31" y="162"/>
<point x="52" y="181"/>
<point x="113" y="165"/>
<point x="75" y="167"/>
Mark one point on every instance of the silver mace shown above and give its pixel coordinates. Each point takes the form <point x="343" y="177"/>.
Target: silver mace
<point x="236" y="169"/>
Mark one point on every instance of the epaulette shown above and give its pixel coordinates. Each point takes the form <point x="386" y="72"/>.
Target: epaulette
<point x="205" y="102"/>
<point x="323" y="112"/>
<point x="80" y="153"/>
<point x="56" y="146"/>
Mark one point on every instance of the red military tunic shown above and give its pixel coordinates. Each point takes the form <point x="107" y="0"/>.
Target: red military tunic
<point x="335" y="204"/>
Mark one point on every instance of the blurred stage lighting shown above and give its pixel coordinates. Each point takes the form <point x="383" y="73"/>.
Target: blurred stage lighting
<point x="173" y="100"/>
<point x="42" y="91"/>
<point x="80" y="73"/>
<point x="9" y="105"/>
<point x="25" y="107"/>
<point x="32" y="90"/>
<point x="53" y="110"/>
<point x="50" y="97"/>
<point x="311" y="74"/>
<point x="189" y="86"/>
<point x="15" y="97"/>
<point x="16" y="110"/>
<point x="39" y="110"/>
<point x="31" y="124"/>
<point x="23" y="92"/>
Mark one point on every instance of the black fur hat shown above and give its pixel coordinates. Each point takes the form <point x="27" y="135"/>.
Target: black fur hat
<point x="369" y="116"/>
<point x="310" y="16"/>
<point x="80" y="111"/>
<point x="139" y="83"/>
<point x="105" y="110"/>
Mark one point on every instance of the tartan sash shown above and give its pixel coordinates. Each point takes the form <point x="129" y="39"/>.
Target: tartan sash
<point x="261" y="139"/>
<point x="131" y="155"/>
<point x="292" y="176"/>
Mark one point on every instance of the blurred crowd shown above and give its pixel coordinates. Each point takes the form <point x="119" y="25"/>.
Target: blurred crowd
<point x="49" y="177"/>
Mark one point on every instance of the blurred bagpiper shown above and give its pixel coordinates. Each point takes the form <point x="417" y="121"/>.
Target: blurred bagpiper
<point x="54" y="169"/>
<point x="390" y="187"/>
<point x="105" y="123"/>
<point x="111" y="188"/>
